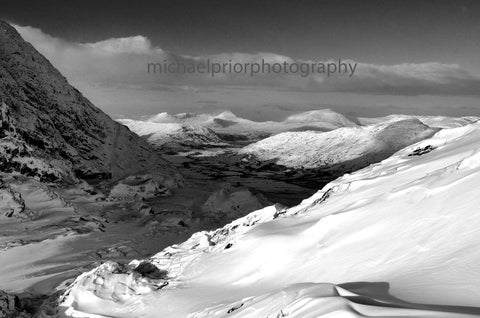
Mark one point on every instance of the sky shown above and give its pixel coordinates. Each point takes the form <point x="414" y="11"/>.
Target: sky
<point x="413" y="56"/>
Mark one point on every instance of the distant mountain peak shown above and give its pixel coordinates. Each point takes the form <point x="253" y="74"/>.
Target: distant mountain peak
<point x="227" y="114"/>
<point x="326" y="115"/>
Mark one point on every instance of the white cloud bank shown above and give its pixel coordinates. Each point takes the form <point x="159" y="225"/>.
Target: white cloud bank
<point x="120" y="61"/>
<point x="117" y="67"/>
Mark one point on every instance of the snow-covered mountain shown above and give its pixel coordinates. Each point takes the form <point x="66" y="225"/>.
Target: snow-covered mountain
<point x="216" y="129"/>
<point x="396" y="239"/>
<point x="174" y="135"/>
<point x="432" y="121"/>
<point x="323" y="115"/>
<point x="219" y="130"/>
<point x="351" y="147"/>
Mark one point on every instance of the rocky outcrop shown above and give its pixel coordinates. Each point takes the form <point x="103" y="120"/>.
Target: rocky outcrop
<point x="7" y="304"/>
<point x="39" y="106"/>
<point x="17" y="156"/>
<point x="11" y="203"/>
<point x="10" y="306"/>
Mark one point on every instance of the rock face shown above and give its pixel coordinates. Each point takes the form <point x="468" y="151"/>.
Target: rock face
<point x="11" y="203"/>
<point x="7" y="304"/>
<point x="42" y="108"/>
<point x="10" y="306"/>
<point x="17" y="156"/>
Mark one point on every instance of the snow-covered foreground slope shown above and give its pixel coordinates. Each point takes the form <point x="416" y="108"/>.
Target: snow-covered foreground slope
<point x="350" y="146"/>
<point x="408" y="227"/>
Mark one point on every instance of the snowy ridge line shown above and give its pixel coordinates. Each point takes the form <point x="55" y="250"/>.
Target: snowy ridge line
<point x="188" y="129"/>
<point x="350" y="147"/>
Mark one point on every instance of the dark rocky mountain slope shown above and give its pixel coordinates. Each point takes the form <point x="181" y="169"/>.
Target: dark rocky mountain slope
<point x="40" y="108"/>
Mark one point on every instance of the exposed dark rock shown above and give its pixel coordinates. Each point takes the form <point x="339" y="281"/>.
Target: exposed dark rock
<point x="12" y="204"/>
<point x="422" y="151"/>
<point x="42" y="108"/>
<point x="151" y="271"/>
<point x="11" y="307"/>
<point x="17" y="156"/>
<point x="234" y="308"/>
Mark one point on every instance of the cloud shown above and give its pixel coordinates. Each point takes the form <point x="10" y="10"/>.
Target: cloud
<point x="412" y="79"/>
<point x="116" y="61"/>
<point x="128" y="45"/>
<point x="122" y="62"/>
<point x="113" y="74"/>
